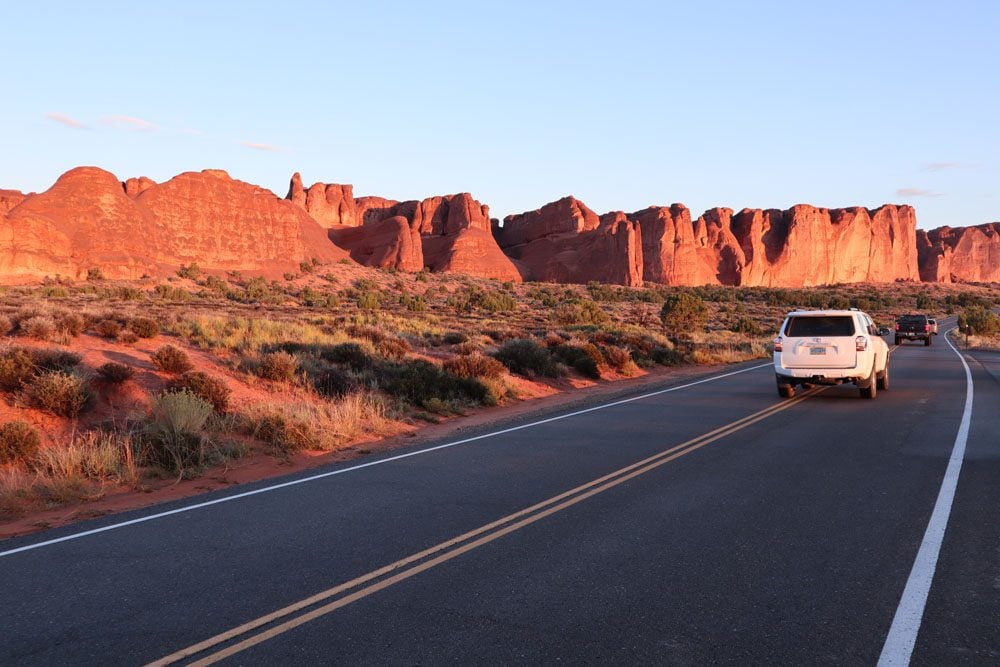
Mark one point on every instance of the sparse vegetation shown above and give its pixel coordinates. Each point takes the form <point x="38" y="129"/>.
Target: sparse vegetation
<point x="171" y="359"/>
<point x="58" y="392"/>
<point x="113" y="372"/>
<point x="18" y="441"/>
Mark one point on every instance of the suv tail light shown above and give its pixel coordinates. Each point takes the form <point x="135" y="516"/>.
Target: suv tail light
<point x="860" y="344"/>
<point x="777" y="344"/>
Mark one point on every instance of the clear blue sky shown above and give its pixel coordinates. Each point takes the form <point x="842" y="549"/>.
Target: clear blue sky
<point x="625" y="104"/>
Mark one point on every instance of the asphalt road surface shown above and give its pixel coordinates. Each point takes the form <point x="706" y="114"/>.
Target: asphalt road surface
<point x="708" y="523"/>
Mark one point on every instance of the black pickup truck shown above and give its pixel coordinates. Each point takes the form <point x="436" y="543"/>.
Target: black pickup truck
<point x="914" y="327"/>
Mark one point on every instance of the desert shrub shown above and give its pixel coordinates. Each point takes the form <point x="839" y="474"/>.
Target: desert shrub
<point x="620" y="358"/>
<point x="171" y="359"/>
<point x="278" y="366"/>
<point x="666" y="356"/>
<point x="18" y="441"/>
<point x="473" y="298"/>
<point x="370" y="300"/>
<point x="392" y="348"/>
<point x="353" y="355"/>
<point x="527" y="357"/>
<point x="175" y="433"/>
<point x="419" y="380"/>
<point x="683" y="314"/>
<point x="95" y="273"/>
<point x="114" y="373"/>
<point x="335" y="382"/>
<point x="60" y="393"/>
<point x="983" y="321"/>
<point x="584" y="359"/>
<point x="144" y="327"/>
<point x="41" y="327"/>
<point x="413" y="303"/>
<point x="468" y="348"/>
<point x="171" y="293"/>
<point x="54" y="359"/>
<point x="746" y="325"/>
<point x="190" y="271"/>
<point x="6" y="325"/>
<point x="205" y="387"/>
<point x="71" y="324"/>
<point x="474" y="366"/>
<point x="127" y="337"/>
<point x="16" y="368"/>
<point x="455" y="338"/>
<point x="581" y="312"/>
<point x="108" y="328"/>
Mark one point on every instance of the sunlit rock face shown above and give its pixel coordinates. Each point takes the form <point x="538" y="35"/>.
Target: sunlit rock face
<point x="89" y="219"/>
<point x="960" y="254"/>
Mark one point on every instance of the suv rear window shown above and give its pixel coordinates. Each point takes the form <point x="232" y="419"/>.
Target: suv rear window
<point x="820" y="325"/>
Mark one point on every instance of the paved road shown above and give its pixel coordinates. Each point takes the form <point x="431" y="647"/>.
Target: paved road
<point x="756" y="531"/>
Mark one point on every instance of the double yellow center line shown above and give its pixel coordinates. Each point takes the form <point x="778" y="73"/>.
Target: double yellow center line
<point x="287" y="618"/>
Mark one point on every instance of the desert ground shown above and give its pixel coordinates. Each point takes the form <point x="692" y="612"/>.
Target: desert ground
<point x="117" y="395"/>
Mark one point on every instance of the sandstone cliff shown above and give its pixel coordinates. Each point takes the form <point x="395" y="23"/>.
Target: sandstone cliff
<point x="90" y="219"/>
<point x="567" y="242"/>
<point x="450" y="233"/>
<point x="962" y="254"/>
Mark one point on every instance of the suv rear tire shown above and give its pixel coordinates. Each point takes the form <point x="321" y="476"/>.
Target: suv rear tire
<point x="871" y="390"/>
<point x="785" y="390"/>
<point x="882" y="382"/>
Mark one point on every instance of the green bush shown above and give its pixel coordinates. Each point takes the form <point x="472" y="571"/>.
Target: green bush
<point x="57" y="392"/>
<point x="278" y="366"/>
<point x="18" y="441"/>
<point x="474" y="366"/>
<point x="353" y="355"/>
<point x="205" y="387"/>
<point x="175" y="432"/>
<point x="170" y="359"/>
<point x="190" y="271"/>
<point x="584" y="359"/>
<point x="144" y="327"/>
<point x="683" y="314"/>
<point x="115" y="373"/>
<point x="581" y="312"/>
<point x="370" y="300"/>
<point x="983" y="321"/>
<point x="419" y="380"/>
<point x="527" y="357"/>
<point x="335" y="382"/>
<point x="745" y="325"/>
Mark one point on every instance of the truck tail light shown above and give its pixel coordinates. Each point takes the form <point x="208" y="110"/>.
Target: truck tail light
<point x="897" y="326"/>
<point x="777" y="344"/>
<point x="860" y="343"/>
<point x="927" y="328"/>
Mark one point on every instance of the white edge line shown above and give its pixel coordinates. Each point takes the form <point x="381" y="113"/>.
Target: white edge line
<point x="275" y="487"/>
<point x="902" y="637"/>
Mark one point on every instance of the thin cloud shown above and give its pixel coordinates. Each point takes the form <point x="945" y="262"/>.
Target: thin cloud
<point x="66" y="120"/>
<point x="130" y="122"/>
<point x="917" y="192"/>
<point x="262" y="147"/>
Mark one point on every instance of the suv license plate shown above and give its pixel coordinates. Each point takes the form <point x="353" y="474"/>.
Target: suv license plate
<point x="817" y="350"/>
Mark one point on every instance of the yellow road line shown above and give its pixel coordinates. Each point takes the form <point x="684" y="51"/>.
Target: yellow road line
<point x="504" y="526"/>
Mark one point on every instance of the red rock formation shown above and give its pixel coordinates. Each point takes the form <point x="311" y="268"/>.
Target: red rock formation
<point x="387" y="244"/>
<point x="9" y="199"/>
<point x="330" y="205"/>
<point x="87" y="220"/>
<point x="963" y="254"/>
<point x="567" y="242"/>
<point x="136" y="186"/>
<point x="450" y="233"/>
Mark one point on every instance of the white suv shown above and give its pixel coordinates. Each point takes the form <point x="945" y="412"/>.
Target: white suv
<point x="830" y="347"/>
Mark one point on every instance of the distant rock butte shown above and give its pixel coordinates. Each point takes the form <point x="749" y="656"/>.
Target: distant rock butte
<point x="565" y="241"/>
<point x="449" y="233"/>
<point x="90" y="219"/>
<point x="960" y="254"/>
